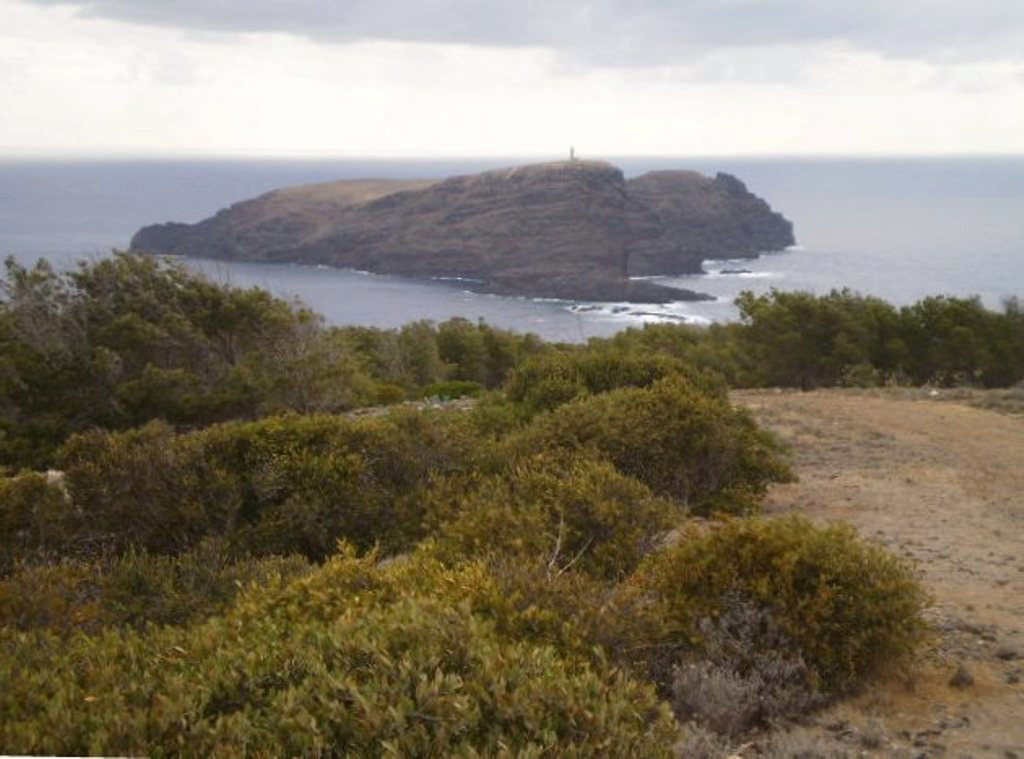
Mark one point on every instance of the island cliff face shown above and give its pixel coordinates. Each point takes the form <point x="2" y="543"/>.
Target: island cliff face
<point x="576" y="229"/>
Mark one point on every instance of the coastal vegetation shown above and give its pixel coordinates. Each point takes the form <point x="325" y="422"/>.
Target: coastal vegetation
<point x="204" y="551"/>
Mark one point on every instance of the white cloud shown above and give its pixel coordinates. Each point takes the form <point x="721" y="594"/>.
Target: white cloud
<point x="69" y="82"/>
<point x="620" y="32"/>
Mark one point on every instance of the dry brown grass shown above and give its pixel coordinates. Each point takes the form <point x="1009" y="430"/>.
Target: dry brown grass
<point x="348" y="192"/>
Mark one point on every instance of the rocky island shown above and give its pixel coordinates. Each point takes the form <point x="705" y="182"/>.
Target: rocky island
<point x="574" y="229"/>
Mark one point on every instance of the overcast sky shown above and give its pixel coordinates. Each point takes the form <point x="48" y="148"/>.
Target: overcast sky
<point x="523" y="77"/>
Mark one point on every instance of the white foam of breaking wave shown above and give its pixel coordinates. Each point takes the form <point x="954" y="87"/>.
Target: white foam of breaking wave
<point x="720" y="262"/>
<point x="642" y="313"/>
<point x="457" y="279"/>
<point x="740" y="274"/>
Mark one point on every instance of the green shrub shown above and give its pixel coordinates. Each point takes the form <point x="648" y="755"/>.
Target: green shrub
<point x="386" y="394"/>
<point x="37" y="519"/>
<point x="495" y="416"/>
<point x="957" y="341"/>
<point x="680" y="441"/>
<point x="278" y="486"/>
<point x="481" y="353"/>
<point x="134" y="589"/>
<point x="715" y="350"/>
<point x="577" y="613"/>
<point x="130" y="338"/>
<point x="564" y="511"/>
<point x="151" y="488"/>
<point x="451" y="389"/>
<point x="848" y="606"/>
<point x="364" y="674"/>
<point x="804" y="340"/>
<point x="545" y="382"/>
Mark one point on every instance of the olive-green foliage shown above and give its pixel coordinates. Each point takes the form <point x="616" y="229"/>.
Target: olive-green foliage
<point x="550" y="380"/>
<point x="290" y="484"/>
<point x="451" y="389"/>
<point x="803" y="340"/>
<point x="581" y="615"/>
<point x="484" y="354"/>
<point x="957" y="341"/>
<point x="714" y="350"/>
<point x="422" y="353"/>
<point x="130" y="338"/>
<point x="37" y="519"/>
<point x="145" y="609"/>
<point x="134" y="589"/>
<point x="800" y="339"/>
<point x="849" y="606"/>
<point x="564" y="512"/>
<point x="354" y="660"/>
<point x="494" y="416"/>
<point x="675" y="437"/>
<point x="295" y="484"/>
<point x="578" y="613"/>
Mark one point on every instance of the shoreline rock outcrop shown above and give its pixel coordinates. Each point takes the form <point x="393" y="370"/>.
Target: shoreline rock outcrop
<point x="576" y="230"/>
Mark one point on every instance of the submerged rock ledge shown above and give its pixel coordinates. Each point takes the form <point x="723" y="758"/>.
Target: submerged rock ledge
<point x="576" y="230"/>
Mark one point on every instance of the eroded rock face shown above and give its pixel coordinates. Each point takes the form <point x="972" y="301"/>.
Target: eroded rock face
<point x="575" y="230"/>
<point x="686" y="218"/>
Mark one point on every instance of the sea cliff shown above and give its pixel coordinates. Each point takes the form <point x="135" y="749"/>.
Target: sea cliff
<point x="573" y="229"/>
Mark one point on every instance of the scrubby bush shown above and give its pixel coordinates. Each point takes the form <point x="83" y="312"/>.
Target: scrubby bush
<point x="134" y="589"/>
<point x="545" y="382"/>
<point x="714" y="349"/>
<point x="847" y="605"/>
<point x="130" y="338"/>
<point x="957" y="341"/>
<point x="291" y="484"/>
<point x="562" y="511"/>
<point x="298" y="483"/>
<point x="451" y="389"/>
<point x="503" y="584"/>
<point x="422" y="353"/>
<point x="363" y="675"/>
<point x="673" y="436"/>
<point x="37" y="518"/>
<point x="494" y="416"/>
<point x="148" y="487"/>
<point x="482" y="353"/>
<point x="803" y="340"/>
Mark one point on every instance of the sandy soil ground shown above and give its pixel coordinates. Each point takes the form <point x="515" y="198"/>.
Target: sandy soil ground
<point x="943" y="483"/>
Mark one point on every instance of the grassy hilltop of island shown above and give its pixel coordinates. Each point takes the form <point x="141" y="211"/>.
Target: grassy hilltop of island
<point x="208" y="546"/>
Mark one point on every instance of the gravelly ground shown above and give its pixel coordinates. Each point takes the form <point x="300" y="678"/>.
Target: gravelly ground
<point x="943" y="483"/>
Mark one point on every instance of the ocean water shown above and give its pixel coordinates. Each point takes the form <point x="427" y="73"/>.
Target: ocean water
<point x="897" y="228"/>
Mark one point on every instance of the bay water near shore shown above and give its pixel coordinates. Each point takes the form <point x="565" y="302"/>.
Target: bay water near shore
<point x="898" y="228"/>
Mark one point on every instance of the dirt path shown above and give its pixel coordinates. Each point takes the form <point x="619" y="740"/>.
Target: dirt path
<point x="944" y="484"/>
